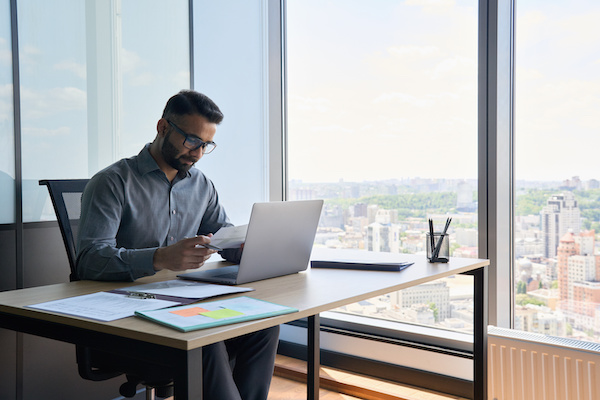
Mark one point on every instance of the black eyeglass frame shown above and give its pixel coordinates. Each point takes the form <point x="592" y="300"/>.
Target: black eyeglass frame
<point x="194" y="142"/>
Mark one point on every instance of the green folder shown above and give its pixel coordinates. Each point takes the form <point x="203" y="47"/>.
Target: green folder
<point x="215" y="313"/>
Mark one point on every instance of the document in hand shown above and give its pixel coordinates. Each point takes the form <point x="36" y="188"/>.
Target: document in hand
<point x="228" y="237"/>
<point x="215" y="313"/>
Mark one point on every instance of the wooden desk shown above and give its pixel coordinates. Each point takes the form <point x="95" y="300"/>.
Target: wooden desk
<point x="311" y="292"/>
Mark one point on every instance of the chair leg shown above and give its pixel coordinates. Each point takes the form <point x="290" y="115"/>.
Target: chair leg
<point x="149" y="393"/>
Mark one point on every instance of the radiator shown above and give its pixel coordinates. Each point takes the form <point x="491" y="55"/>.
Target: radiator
<point x="528" y="366"/>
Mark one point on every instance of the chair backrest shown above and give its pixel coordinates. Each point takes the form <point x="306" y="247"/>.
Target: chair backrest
<point x="66" y="199"/>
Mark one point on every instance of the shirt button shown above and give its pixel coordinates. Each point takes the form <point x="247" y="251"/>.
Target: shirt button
<point x="174" y="211"/>
<point x="171" y="238"/>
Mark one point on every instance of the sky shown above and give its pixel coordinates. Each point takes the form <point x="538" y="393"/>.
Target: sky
<point x="377" y="89"/>
<point x="388" y="89"/>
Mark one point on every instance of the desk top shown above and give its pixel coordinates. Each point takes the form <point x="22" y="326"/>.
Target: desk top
<point x="311" y="292"/>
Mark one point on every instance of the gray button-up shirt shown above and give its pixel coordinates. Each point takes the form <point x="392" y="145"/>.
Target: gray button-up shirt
<point x="130" y="209"/>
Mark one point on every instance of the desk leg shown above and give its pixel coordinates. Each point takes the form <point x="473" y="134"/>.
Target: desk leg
<point x="314" y="360"/>
<point x="188" y="376"/>
<point x="480" y="340"/>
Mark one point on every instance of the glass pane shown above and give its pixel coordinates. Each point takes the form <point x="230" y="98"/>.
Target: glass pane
<point x="382" y="124"/>
<point x="7" y="150"/>
<point x="155" y="64"/>
<point x="53" y="97"/>
<point x="557" y="213"/>
<point x="231" y="68"/>
<point x="95" y="76"/>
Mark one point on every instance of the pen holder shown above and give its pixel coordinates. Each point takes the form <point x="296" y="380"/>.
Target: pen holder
<point x="441" y="243"/>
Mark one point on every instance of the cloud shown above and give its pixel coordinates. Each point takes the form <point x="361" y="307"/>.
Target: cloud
<point x="141" y="79"/>
<point x="332" y="129"/>
<point x="429" y="2"/>
<point x="6" y="90"/>
<point x="411" y="50"/>
<point x="417" y="101"/>
<point x="6" y="102"/>
<point x="5" y="52"/>
<point x="46" y="133"/>
<point x="310" y="103"/>
<point x="38" y="104"/>
<point x="31" y="50"/>
<point x="130" y="61"/>
<point x="432" y="6"/>
<point x="458" y="64"/>
<point x="78" y="69"/>
<point x="133" y="66"/>
<point x="529" y="73"/>
<point x="404" y="98"/>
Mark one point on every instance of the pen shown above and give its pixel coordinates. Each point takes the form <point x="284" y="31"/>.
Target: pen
<point x="431" y="236"/>
<point x="439" y="243"/>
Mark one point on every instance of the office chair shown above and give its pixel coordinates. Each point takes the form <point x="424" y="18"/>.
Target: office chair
<point x="93" y="364"/>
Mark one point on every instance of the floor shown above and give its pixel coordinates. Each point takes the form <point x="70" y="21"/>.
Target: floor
<point x="288" y="384"/>
<point x="290" y="376"/>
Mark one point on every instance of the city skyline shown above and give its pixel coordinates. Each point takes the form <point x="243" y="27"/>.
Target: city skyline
<point x="555" y="294"/>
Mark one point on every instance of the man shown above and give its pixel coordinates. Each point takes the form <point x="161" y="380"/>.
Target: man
<point x="154" y="211"/>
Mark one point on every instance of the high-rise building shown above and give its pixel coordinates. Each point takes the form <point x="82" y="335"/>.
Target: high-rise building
<point x="578" y="279"/>
<point x="383" y="237"/>
<point x="566" y="249"/>
<point x="464" y="197"/>
<point x="560" y="215"/>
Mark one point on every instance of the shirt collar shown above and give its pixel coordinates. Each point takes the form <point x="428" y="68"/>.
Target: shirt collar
<point x="145" y="161"/>
<point x="147" y="164"/>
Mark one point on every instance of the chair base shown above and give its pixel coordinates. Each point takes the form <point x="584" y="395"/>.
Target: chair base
<point x="162" y="389"/>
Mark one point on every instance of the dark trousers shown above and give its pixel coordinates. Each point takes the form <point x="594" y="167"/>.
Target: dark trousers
<point x="240" y="368"/>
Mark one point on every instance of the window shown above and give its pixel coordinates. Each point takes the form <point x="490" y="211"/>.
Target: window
<point x="53" y="97"/>
<point x="234" y="68"/>
<point x="95" y="76"/>
<point x="557" y="213"/>
<point x="382" y="124"/>
<point x="7" y="153"/>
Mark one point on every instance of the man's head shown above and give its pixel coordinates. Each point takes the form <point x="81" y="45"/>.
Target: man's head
<point x="191" y="102"/>
<point x="185" y="132"/>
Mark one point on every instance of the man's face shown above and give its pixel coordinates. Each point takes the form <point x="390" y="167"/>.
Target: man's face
<point x="173" y="151"/>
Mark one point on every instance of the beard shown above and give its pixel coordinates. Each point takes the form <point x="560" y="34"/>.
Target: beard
<point x="170" y="155"/>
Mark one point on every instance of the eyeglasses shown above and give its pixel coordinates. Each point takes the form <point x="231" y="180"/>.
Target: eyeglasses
<point x="193" y="142"/>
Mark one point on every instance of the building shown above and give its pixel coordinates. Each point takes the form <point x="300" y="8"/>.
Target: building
<point x="560" y="215"/>
<point x="578" y="279"/>
<point x="539" y="319"/>
<point x="383" y="237"/>
<point x="437" y="293"/>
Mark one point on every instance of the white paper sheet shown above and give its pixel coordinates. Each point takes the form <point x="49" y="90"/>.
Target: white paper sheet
<point x="102" y="306"/>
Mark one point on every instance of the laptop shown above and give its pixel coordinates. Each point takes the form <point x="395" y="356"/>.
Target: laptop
<point x="278" y="242"/>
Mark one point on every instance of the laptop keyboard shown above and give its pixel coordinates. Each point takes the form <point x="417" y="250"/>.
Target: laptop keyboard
<point x="230" y="275"/>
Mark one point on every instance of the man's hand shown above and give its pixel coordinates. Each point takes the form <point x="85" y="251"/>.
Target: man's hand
<point x="185" y="254"/>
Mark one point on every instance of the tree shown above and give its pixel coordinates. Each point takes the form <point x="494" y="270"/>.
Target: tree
<point x="433" y="307"/>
